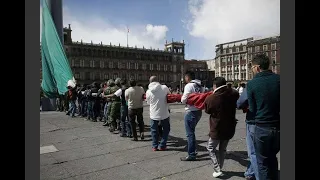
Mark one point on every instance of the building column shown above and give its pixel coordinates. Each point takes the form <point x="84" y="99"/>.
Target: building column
<point x="247" y="72"/>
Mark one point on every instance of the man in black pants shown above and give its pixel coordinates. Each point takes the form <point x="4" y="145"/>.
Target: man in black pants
<point x="134" y="98"/>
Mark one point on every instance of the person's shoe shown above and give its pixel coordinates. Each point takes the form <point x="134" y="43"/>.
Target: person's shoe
<point x="105" y="124"/>
<point x="123" y="135"/>
<point x="142" y="136"/>
<point x="188" y="158"/>
<point x="111" y="129"/>
<point x="130" y="136"/>
<point x="216" y="174"/>
<point x="162" y="149"/>
<point x="250" y="178"/>
<point x="154" y="149"/>
<point x="135" y="139"/>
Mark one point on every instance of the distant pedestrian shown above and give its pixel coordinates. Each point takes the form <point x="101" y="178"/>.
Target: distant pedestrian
<point x="134" y="97"/>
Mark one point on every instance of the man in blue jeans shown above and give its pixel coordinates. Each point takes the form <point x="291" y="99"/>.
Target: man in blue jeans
<point x="192" y="115"/>
<point x="252" y="169"/>
<point x="264" y="102"/>
<point x="156" y="96"/>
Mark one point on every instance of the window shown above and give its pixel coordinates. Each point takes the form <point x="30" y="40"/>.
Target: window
<point x="72" y="62"/>
<point x="257" y="49"/>
<point x="223" y="60"/>
<point x="101" y="64"/>
<point x="237" y="49"/>
<point x="158" y="67"/>
<point x="244" y="48"/>
<point x="128" y="65"/>
<point x="151" y="67"/>
<point x="115" y="75"/>
<point x="265" y="47"/>
<point x="144" y="66"/>
<point x="119" y="65"/>
<point x="235" y="68"/>
<point x="77" y="75"/>
<point x="92" y="63"/>
<point x="110" y="65"/>
<point x="92" y="76"/>
<point x="174" y="68"/>
<point x="224" y="51"/>
<point x="230" y="50"/>
<point x="273" y="46"/>
<point x="165" y="67"/>
<point x="273" y="54"/>
<point x="136" y="65"/>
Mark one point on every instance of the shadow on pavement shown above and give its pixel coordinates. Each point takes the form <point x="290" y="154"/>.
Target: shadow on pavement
<point x="230" y="174"/>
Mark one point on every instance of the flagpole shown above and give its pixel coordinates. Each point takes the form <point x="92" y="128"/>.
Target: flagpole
<point x="127" y="37"/>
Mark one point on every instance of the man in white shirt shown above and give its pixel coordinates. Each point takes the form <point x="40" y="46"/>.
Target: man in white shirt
<point x="192" y="115"/>
<point x="134" y="98"/>
<point x="156" y="96"/>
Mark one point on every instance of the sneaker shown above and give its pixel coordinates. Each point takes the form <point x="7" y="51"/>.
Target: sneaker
<point x="154" y="149"/>
<point x="162" y="149"/>
<point x="142" y="136"/>
<point x="250" y="178"/>
<point x="216" y="174"/>
<point x="188" y="158"/>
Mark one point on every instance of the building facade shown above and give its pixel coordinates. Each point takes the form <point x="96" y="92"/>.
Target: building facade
<point x="269" y="46"/>
<point x="200" y="68"/>
<point x="233" y="59"/>
<point x="97" y="62"/>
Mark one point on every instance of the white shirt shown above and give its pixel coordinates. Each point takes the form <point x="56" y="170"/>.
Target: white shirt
<point x="156" y="96"/>
<point x="118" y="93"/>
<point x="192" y="87"/>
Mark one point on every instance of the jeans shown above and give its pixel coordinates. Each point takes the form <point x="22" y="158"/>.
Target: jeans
<point x="105" y="111"/>
<point x="252" y="169"/>
<point x="133" y="113"/>
<point x="83" y="107"/>
<point x="125" y="123"/>
<point x="212" y="145"/>
<point x="155" y="132"/>
<point x="96" y="108"/>
<point x="267" y="146"/>
<point x="72" y="107"/>
<point x="90" y="112"/>
<point x="191" y="120"/>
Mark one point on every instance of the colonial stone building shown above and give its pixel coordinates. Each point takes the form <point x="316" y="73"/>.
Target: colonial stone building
<point x="200" y="68"/>
<point x="98" y="62"/>
<point x="233" y="59"/>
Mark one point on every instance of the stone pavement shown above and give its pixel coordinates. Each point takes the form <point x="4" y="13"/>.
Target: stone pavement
<point x="73" y="148"/>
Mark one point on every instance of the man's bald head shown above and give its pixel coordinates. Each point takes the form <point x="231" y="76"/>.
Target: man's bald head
<point x="153" y="79"/>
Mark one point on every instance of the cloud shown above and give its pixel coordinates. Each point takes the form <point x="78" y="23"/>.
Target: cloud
<point x="96" y="29"/>
<point x="217" y="21"/>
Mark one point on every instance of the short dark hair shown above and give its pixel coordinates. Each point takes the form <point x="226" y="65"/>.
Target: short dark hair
<point x="190" y="74"/>
<point x="219" y="81"/>
<point x="243" y="85"/>
<point x="132" y="82"/>
<point x="123" y="81"/>
<point x="262" y="60"/>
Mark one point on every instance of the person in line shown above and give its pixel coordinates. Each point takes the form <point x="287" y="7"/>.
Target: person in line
<point x="221" y="105"/>
<point x="192" y="114"/>
<point x="134" y="97"/>
<point x="264" y="102"/>
<point x="156" y="97"/>
<point x="72" y="97"/>
<point x="252" y="172"/>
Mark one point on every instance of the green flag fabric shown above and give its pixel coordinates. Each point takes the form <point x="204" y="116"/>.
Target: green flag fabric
<point x="56" y="71"/>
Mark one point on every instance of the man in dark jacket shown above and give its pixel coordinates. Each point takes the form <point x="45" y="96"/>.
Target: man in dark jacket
<point x="264" y="102"/>
<point x="72" y="97"/>
<point x="221" y="105"/>
<point x="94" y="102"/>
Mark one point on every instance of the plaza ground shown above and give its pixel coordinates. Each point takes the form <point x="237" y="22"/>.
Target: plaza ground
<point x="76" y="149"/>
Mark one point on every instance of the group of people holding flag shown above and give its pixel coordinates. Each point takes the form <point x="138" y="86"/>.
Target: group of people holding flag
<point x="260" y="99"/>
